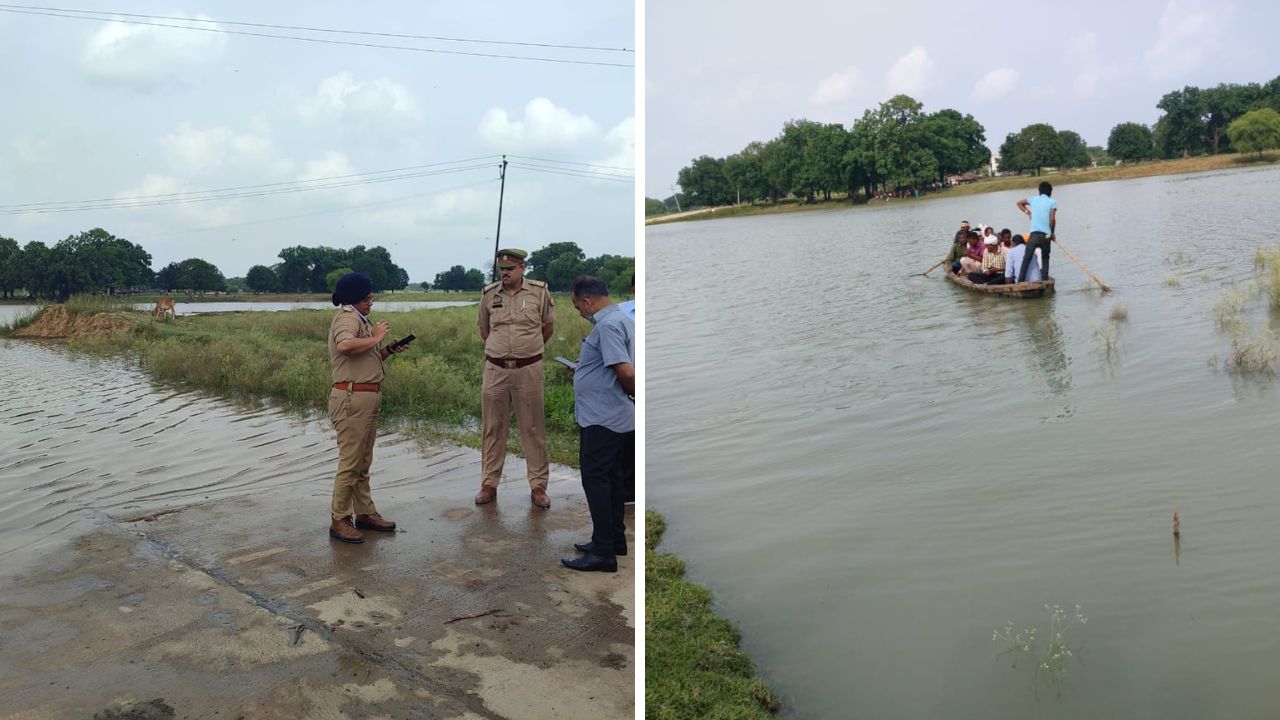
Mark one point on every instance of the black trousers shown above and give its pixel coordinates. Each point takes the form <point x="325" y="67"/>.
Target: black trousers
<point x="607" y="461"/>
<point x="1037" y="240"/>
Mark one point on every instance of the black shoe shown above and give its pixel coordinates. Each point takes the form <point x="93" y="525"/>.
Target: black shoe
<point x="591" y="563"/>
<point x="590" y="547"/>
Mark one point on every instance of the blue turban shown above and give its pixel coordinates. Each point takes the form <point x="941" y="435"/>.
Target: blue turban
<point x="352" y="288"/>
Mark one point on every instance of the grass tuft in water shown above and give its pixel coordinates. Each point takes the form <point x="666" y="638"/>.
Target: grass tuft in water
<point x="1252" y="355"/>
<point x="1049" y="655"/>
<point x="1172" y="281"/>
<point x="1119" y="313"/>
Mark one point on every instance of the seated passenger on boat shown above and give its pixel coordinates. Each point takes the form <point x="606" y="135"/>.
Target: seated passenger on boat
<point x="993" y="262"/>
<point x="957" y="251"/>
<point x="1013" y="261"/>
<point x="972" y="260"/>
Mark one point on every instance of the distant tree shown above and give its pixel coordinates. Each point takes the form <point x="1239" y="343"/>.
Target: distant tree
<point x="704" y="183"/>
<point x="654" y="206"/>
<point x="1034" y="147"/>
<point x="455" y="278"/>
<point x="473" y="280"/>
<point x="615" y="270"/>
<point x="236" y="285"/>
<point x="1075" y="153"/>
<point x="192" y="274"/>
<point x="331" y="280"/>
<point x="1131" y="141"/>
<point x="426" y="286"/>
<point x="1223" y="104"/>
<point x="262" y="279"/>
<point x="958" y="142"/>
<point x="10" y="261"/>
<point x="1185" y="130"/>
<point x="35" y="272"/>
<point x="557" y="264"/>
<point x="1255" y="131"/>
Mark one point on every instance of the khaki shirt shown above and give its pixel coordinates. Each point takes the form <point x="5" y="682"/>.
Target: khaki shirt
<point x="515" y="320"/>
<point x="365" y="367"/>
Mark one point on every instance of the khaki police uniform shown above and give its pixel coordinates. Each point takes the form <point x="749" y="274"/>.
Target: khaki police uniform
<point x="513" y="376"/>
<point x="354" y="410"/>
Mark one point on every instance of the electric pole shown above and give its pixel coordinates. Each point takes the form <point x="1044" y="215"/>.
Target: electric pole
<point x="502" y="188"/>
<point x="676" y="195"/>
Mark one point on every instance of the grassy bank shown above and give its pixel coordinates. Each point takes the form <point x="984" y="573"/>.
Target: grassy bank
<point x="434" y="386"/>
<point x="401" y="296"/>
<point x="997" y="184"/>
<point x="693" y="667"/>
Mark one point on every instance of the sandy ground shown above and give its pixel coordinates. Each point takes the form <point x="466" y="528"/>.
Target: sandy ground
<point x="246" y="609"/>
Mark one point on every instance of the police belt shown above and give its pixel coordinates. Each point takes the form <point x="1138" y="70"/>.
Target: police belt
<point x="513" y="363"/>
<point x="357" y="387"/>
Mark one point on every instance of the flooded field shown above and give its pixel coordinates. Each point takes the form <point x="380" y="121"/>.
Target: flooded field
<point x="876" y="473"/>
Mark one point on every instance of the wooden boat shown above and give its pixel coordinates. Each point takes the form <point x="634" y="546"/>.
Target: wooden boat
<point x="1029" y="289"/>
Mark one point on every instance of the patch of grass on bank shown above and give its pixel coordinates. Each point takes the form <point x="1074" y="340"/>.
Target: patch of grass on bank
<point x="283" y="356"/>
<point x="95" y="304"/>
<point x="693" y="667"/>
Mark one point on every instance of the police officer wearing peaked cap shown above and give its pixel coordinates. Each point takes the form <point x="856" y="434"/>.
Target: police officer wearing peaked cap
<point x="516" y="318"/>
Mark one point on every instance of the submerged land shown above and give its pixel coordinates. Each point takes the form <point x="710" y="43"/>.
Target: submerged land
<point x="1207" y="163"/>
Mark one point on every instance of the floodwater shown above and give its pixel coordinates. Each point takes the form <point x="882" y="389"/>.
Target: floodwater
<point x="8" y="313"/>
<point x="874" y="472"/>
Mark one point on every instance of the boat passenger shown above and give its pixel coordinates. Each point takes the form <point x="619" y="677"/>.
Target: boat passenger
<point x="972" y="260"/>
<point x="957" y="251"/>
<point x="1014" y="261"/>
<point x="993" y="261"/>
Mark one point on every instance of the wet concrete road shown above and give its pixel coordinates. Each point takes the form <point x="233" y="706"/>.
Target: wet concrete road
<point x="158" y="604"/>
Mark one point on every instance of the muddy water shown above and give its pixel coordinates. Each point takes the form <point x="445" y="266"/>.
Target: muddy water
<point x="81" y="440"/>
<point x="873" y="472"/>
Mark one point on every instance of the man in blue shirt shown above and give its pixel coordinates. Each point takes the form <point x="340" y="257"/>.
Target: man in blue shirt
<point x="629" y="307"/>
<point x="603" y="384"/>
<point x="1043" y="211"/>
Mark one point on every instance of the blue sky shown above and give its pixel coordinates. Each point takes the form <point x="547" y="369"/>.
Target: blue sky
<point x="721" y="74"/>
<point x="110" y="110"/>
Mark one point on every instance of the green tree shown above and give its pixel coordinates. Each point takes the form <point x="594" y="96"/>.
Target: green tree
<point x="1255" y="131"/>
<point x="192" y="274"/>
<point x="1185" y="130"/>
<point x="653" y="206"/>
<point x="958" y="142"/>
<point x="10" y="263"/>
<point x="703" y="182"/>
<point x="262" y="279"/>
<point x="331" y="280"/>
<point x="1223" y="104"/>
<point x="1034" y="147"/>
<point x="557" y="264"/>
<point x="1075" y="152"/>
<point x="455" y="278"/>
<point x="473" y="280"/>
<point x="1131" y="141"/>
<point x="35" y="271"/>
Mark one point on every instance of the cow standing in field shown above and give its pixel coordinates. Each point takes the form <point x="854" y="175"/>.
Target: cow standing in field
<point x="164" y="309"/>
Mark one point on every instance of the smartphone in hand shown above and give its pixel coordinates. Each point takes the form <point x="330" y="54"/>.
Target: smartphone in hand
<point x="402" y="342"/>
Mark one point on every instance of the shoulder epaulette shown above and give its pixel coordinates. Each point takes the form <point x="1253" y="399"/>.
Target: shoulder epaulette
<point x="491" y="285"/>
<point x="538" y="283"/>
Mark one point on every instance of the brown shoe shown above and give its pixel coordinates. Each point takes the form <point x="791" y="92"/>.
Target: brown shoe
<point x="342" y="529"/>
<point x="487" y="494"/>
<point x="540" y="499"/>
<point x="374" y="521"/>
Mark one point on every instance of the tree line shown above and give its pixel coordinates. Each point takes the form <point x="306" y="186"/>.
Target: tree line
<point x="897" y="146"/>
<point x="556" y="264"/>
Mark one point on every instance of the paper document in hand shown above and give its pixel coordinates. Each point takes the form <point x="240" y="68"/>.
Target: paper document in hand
<point x="567" y="362"/>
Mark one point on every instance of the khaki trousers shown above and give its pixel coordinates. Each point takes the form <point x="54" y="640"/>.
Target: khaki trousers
<point x="355" y="417"/>
<point x="503" y="388"/>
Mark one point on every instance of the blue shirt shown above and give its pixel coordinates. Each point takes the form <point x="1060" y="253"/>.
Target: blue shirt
<point x="598" y="395"/>
<point x="629" y="307"/>
<point x="1013" y="265"/>
<point x="1040" y="206"/>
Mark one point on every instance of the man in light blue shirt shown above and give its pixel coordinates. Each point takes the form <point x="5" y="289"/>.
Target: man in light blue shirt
<point x="603" y="384"/>
<point x="1043" y="211"/>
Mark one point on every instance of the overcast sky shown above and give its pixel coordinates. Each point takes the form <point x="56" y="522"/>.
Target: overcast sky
<point x="722" y="73"/>
<point x="109" y="110"/>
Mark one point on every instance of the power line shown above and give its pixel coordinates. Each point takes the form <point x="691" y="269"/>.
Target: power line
<point x="570" y="173"/>
<point x="126" y="203"/>
<point x="588" y="173"/>
<point x="350" y="43"/>
<point x="569" y="162"/>
<point x="247" y="187"/>
<point x="322" y="30"/>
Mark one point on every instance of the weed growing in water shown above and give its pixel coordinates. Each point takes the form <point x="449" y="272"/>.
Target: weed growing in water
<point x="1172" y="281"/>
<point x="1119" y="313"/>
<point x="1255" y="355"/>
<point x="1049" y="657"/>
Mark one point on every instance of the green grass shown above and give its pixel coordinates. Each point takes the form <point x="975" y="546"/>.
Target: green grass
<point x="693" y="667"/>
<point x="94" y="304"/>
<point x="434" y="387"/>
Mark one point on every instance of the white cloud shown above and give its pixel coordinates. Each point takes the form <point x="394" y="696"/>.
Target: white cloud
<point x="194" y="150"/>
<point x="995" y="84"/>
<point x="543" y="127"/>
<point x="621" y="139"/>
<point x="147" y="58"/>
<point x="31" y="151"/>
<point x="1188" y="33"/>
<point x="382" y="106"/>
<point x="199" y="214"/>
<point x="838" y="87"/>
<point x="910" y="74"/>
<point x="335" y="165"/>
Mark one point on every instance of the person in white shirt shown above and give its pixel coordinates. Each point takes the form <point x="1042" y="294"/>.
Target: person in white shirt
<point x="1014" y="261"/>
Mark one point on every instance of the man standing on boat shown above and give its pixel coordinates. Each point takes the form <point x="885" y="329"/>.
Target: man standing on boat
<point x="1015" y="259"/>
<point x="1043" y="211"/>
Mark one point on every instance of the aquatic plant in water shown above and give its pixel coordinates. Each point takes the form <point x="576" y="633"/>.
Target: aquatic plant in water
<point x="1049" y="656"/>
